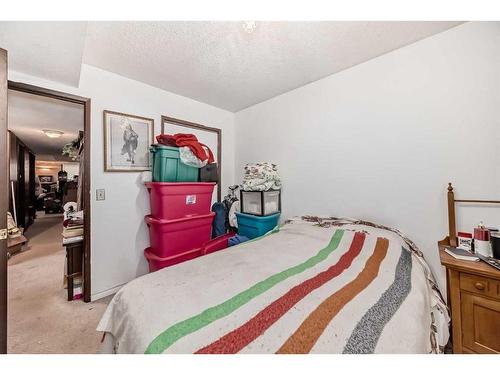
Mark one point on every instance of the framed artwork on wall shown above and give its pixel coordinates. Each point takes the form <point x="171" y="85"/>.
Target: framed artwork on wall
<point x="212" y="137"/>
<point x="45" y="179"/>
<point x="126" y="142"/>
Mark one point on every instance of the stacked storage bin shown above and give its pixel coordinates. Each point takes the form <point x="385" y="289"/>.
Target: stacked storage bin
<point x="260" y="212"/>
<point x="180" y="222"/>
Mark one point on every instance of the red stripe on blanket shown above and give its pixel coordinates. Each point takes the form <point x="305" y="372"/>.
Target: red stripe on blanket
<point x="237" y="339"/>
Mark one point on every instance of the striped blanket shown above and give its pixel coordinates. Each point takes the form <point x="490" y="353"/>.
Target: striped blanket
<point x="314" y="286"/>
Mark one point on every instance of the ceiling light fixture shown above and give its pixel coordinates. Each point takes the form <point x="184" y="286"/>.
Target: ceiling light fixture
<point x="249" y="26"/>
<point x="52" y="133"/>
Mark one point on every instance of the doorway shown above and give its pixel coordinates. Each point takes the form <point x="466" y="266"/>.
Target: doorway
<point x="29" y="164"/>
<point x="85" y="102"/>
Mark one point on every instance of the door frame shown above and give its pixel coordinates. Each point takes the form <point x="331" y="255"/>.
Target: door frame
<point x="194" y="125"/>
<point x="4" y="199"/>
<point x="41" y="91"/>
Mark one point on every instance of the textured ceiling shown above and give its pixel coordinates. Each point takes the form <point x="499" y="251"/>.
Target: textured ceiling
<point x="50" y="50"/>
<point x="213" y="62"/>
<point x="29" y="114"/>
<point x="221" y="64"/>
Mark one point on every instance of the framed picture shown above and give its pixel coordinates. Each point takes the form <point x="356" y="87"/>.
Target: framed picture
<point x="45" y="179"/>
<point x="126" y="142"/>
<point x="212" y="137"/>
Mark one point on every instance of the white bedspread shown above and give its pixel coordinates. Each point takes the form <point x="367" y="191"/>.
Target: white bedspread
<point x="315" y="286"/>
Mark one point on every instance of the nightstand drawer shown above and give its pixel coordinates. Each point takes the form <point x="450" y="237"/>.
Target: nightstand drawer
<point x="479" y="285"/>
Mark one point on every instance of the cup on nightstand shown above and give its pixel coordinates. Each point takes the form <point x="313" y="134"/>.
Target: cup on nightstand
<point x="482" y="244"/>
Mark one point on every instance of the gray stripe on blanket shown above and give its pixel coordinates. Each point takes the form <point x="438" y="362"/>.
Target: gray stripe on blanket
<point x="365" y="336"/>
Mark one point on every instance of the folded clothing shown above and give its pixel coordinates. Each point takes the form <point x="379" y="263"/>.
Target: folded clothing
<point x="199" y="150"/>
<point x="72" y="232"/>
<point x="72" y="222"/>
<point x="261" y="177"/>
<point x="69" y="240"/>
<point x="188" y="158"/>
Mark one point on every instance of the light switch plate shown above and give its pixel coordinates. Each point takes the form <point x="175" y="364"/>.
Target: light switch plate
<point x="100" y="194"/>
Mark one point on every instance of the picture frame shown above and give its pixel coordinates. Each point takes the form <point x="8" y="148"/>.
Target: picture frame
<point x="127" y="139"/>
<point x="45" y="179"/>
<point x="174" y="125"/>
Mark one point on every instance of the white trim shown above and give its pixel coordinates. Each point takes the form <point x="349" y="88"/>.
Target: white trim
<point x="108" y="292"/>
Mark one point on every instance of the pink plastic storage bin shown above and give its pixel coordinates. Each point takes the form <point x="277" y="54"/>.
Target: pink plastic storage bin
<point x="171" y="237"/>
<point x="173" y="200"/>
<point x="217" y="243"/>
<point x="156" y="262"/>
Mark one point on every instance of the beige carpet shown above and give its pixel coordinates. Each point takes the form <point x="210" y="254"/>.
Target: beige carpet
<point x="40" y="319"/>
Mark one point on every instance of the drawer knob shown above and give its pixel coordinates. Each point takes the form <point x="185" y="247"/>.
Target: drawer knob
<point x="479" y="286"/>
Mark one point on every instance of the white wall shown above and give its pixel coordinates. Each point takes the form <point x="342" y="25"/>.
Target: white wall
<point x="381" y="140"/>
<point x="119" y="234"/>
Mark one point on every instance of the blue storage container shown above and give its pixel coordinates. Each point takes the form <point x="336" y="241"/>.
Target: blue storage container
<point x="252" y="226"/>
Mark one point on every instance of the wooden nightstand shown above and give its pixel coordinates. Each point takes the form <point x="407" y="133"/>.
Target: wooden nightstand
<point x="473" y="290"/>
<point x="474" y="296"/>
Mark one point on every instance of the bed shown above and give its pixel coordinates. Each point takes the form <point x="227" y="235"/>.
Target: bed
<point x="316" y="285"/>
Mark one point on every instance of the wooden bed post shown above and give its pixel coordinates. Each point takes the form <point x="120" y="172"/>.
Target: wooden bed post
<point x="451" y="216"/>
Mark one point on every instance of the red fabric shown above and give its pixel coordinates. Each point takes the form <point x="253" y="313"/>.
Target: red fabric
<point x="199" y="150"/>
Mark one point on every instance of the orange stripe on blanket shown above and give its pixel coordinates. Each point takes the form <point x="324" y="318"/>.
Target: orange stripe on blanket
<point x="237" y="339"/>
<point x="304" y="338"/>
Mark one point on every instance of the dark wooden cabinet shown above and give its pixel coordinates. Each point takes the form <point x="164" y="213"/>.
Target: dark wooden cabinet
<point x="74" y="265"/>
<point x="474" y="298"/>
<point x="22" y="175"/>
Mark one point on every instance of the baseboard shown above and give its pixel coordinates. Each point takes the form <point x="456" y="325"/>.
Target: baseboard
<point x="108" y="292"/>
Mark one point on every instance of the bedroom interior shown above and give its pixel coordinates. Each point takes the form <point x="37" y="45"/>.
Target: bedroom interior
<point x="250" y="187"/>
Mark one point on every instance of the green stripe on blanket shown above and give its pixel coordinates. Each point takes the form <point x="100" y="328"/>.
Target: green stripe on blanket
<point x="168" y="337"/>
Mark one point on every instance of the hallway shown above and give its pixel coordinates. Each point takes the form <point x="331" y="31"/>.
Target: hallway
<point x="40" y="319"/>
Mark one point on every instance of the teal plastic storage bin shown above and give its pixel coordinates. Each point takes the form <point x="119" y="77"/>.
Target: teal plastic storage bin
<point x="252" y="226"/>
<point x="167" y="166"/>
